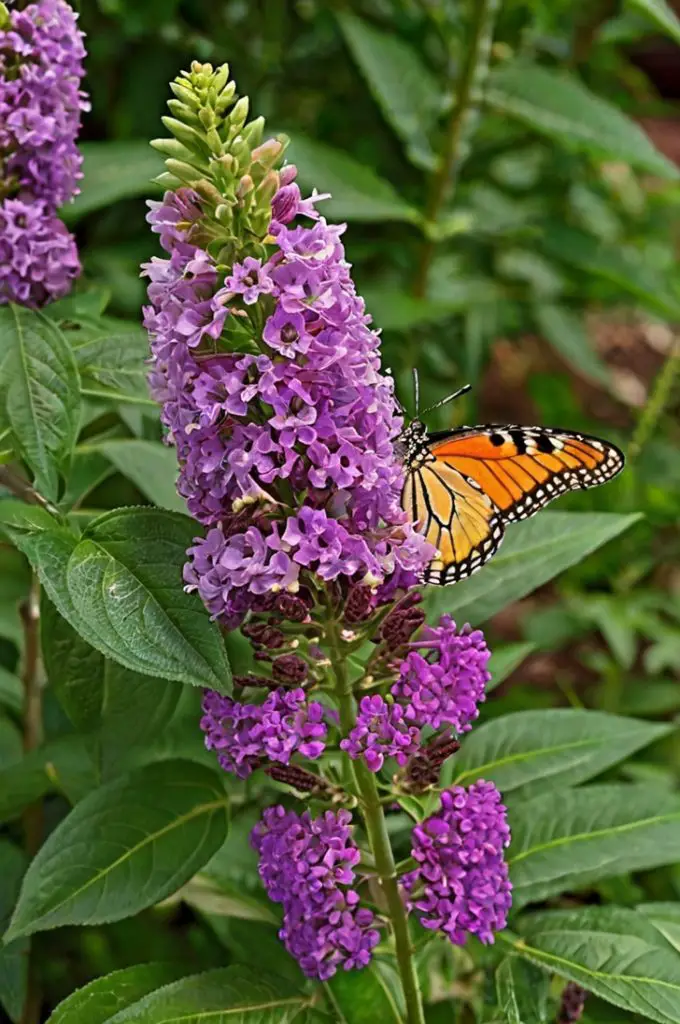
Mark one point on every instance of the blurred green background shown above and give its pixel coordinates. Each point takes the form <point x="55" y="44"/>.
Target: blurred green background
<point x="538" y="264"/>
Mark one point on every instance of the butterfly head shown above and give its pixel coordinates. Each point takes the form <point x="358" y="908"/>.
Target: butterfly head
<point x="411" y="446"/>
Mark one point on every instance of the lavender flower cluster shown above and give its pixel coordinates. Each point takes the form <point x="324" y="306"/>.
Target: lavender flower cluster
<point x="246" y="735"/>
<point x="301" y="434"/>
<point x="461" y="885"/>
<point x="440" y="688"/>
<point x="41" y="66"/>
<point x="306" y="864"/>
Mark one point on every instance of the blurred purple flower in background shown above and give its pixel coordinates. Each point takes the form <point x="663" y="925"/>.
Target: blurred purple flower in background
<point x="41" y="67"/>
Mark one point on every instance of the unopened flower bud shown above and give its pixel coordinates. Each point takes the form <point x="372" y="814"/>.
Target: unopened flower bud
<point x="298" y="778"/>
<point x="289" y="668"/>
<point x="359" y="600"/>
<point x="572" y="1004"/>
<point x="292" y="607"/>
<point x="287" y="174"/>
<point x="262" y="635"/>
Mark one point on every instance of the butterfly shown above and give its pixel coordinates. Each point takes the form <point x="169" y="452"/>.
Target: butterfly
<point x="462" y="487"/>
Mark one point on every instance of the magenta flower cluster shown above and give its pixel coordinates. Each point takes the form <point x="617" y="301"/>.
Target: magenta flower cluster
<point x="247" y="735"/>
<point x="309" y="421"/>
<point x="441" y="688"/>
<point x="41" y="66"/>
<point x="460" y="885"/>
<point x="307" y="864"/>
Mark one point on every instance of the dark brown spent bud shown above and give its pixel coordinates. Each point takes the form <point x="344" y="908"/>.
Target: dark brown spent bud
<point x="572" y="1004"/>
<point x="298" y="778"/>
<point x="253" y="680"/>
<point x="400" y="625"/>
<point x="359" y="604"/>
<point x="423" y="767"/>
<point x="262" y="635"/>
<point x="293" y="607"/>
<point x="289" y="669"/>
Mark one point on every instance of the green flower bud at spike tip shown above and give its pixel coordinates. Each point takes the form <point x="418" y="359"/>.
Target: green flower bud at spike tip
<point x="4" y="17"/>
<point x="227" y="161"/>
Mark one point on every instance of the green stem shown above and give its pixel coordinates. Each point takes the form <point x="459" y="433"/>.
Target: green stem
<point x="657" y="404"/>
<point x="378" y="838"/>
<point x="468" y="100"/>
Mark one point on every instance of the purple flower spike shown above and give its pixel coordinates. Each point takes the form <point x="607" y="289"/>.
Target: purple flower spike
<point x="41" y="65"/>
<point x="247" y="735"/>
<point x="306" y="864"/>
<point x="40" y="101"/>
<point x="312" y="417"/>
<point x="381" y="731"/>
<point x="461" y="885"/>
<point x="444" y="685"/>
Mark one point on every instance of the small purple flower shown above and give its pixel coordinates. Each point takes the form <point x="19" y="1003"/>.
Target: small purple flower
<point x="287" y="333"/>
<point x="249" y="279"/>
<point x="444" y="685"/>
<point x="460" y="886"/>
<point x="381" y="731"/>
<point x="306" y="865"/>
<point x="246" y="735"/>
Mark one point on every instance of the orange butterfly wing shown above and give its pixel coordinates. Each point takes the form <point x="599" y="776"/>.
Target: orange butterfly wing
<point x="521" y="469"/>
<point x="461" y="488"/>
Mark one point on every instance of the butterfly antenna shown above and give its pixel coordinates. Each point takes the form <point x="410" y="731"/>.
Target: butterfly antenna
<point x="416" y="391"/>
<point x="449" y="398"/>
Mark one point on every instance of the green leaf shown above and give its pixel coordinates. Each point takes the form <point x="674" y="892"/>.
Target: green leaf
<point x="393" y="309"/>
<point x="402" y="86"/>
<point x="124" y="847"/>
<point x="569" y="840"/>
<point x="610" y="951"/>
<point x="665" y="917"/>
<point x="367" y="996"/>
<point x="11" y="691"/>
<point x="625" y="269"/>
<point x="521" y="991"/>
<point x="543" y="749"/>
<point x="39" y="393"/>
<point x="151" y="466"/>
<point x="504" y="660"/>
<point x="662" y="14"/>
<point x="120" y="587"/>
<point x="358" y="193"/>
<point x="111" y="356"/>
<point x="120" y="710"/>
<point x="103" y="998"/>
<point x="113" y="171"/>
<point x="560" y="106"/>
<point x="54" y="766"/>
<point x="223" y="996"/>
<point x="253" y="943"/>
<point x="566" y="333"/>
<point x="533" y="553"/>
<point x="14" y="956"/>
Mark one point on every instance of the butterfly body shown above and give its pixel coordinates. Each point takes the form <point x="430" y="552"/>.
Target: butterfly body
<point x="463" y="486"/>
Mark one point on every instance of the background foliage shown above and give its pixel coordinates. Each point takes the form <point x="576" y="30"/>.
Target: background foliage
<point x="547" y="278"/>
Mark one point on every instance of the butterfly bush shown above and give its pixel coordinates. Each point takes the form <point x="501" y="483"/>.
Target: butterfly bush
<point x="269" y="377"/>
<point x="41" y="67"/>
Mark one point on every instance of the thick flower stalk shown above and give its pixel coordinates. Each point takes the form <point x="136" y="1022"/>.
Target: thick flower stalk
<point x="269" y="378"/>
<point x="41" y="67"/>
